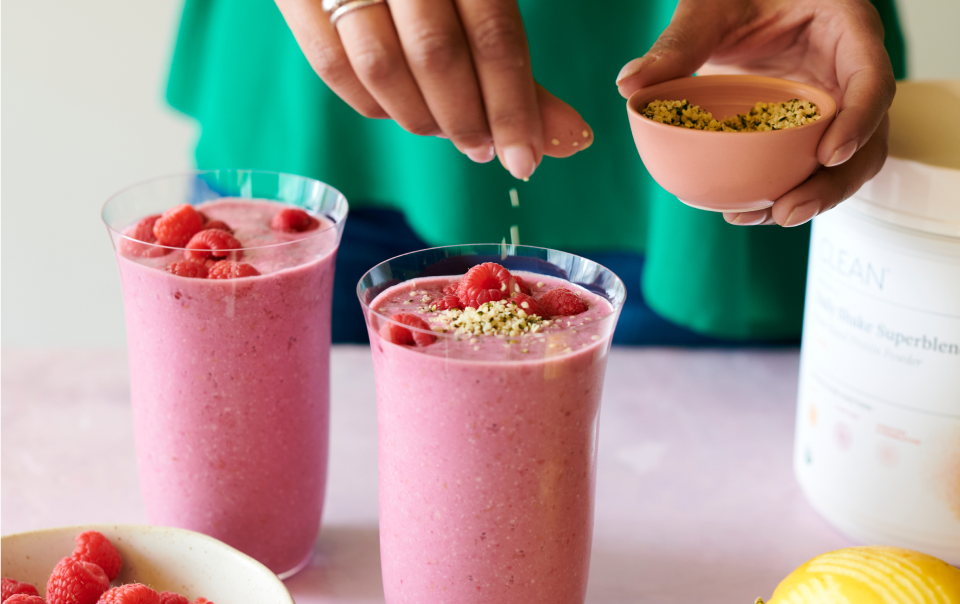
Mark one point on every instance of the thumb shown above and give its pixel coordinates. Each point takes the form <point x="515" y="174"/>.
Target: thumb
<point x="695" y="31"/>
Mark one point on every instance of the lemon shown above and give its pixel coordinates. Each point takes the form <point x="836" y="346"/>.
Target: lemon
<point x="871" y="575"/>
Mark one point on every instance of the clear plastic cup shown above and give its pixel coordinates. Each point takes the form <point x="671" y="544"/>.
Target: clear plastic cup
<point x="487" y="449"/>
<point x="230" y="377"/>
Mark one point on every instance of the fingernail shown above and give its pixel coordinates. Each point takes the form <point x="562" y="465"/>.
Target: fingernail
<point x="634" y="67"/>
<point x="842" y="154"/>
<point x="802" y="213"/>
<point x="741" y="220"/>
<point x="519" y="161"/>
<point x="481" y="154"/>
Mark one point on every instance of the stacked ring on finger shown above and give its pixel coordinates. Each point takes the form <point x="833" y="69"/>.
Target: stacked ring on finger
<point x="339" y="8"/>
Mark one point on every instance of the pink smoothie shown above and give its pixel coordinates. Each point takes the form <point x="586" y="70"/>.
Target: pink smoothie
<point x="487" y="455"/>
<point x="230" y="387"/>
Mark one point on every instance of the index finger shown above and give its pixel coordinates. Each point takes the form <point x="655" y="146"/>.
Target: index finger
<point x="867" y="85"/>
<point x="498" y="44"/>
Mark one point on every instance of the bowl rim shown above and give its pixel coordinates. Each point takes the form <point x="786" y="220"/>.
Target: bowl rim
<point x="825" y="116"/>
<point x="79" y="528"/>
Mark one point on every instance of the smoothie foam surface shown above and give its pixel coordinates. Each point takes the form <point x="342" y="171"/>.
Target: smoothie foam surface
<point x="266" y="249"/>
<point x="548" y="337"/>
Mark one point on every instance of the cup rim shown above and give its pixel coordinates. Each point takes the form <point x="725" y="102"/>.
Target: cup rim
<point x="337" y="221"/>
<point x="614" y="314"/>
<point x="634" y="112"/>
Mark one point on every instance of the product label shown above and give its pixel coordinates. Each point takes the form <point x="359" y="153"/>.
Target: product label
<point x="878" y="424"/>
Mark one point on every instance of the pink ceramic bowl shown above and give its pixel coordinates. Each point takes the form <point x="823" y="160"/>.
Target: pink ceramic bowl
<point x="728" y="171"/>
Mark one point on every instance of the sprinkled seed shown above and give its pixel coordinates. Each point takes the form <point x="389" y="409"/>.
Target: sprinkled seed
<point x="540" y="283"/>
<point x="555" y="142"/>
<point x="586" y="134"/>
<point x="576" y="144"/>
<point x="594" y="337"/>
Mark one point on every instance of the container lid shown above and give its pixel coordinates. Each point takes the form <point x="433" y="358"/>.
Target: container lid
<point x="919" y="186"/>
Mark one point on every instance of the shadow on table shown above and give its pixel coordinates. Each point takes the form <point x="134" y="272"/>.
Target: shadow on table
<point x="678" y="577"/>
<point x="345" y="567"/>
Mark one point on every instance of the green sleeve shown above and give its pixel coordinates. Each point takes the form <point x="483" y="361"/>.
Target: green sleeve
<point x="238" y="70"/>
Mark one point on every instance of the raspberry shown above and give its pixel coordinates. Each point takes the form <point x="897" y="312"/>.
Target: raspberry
<point x="449" y="301"/>
<point x="293" y="220"/>
<point x="191" y="270"/>
<point x="94" y="547"/>
<point x="144" y="229"/>
<point x="177" y="225"/>
<point x="172" y="597"/>
<point x="487" y="282"/>
<point x="217" y="224"/>
<point x="8" y="587"/>
<point x="132" y="593"/>
<point x="398" y="334"/>
<point x="520" y="286"/>
<point x="225" y="269"/>
<point x="561" y="302"/>
<point x="451" y="288"/>
<point x="24" y="599"/>
<point x="215" y="243"/>
<point x="76" y="582"/>
<point x="527" y="304"/>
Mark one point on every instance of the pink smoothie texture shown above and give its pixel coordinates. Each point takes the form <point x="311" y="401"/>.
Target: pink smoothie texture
<point x="230" y="387"/>
<point x="487" y="455"/>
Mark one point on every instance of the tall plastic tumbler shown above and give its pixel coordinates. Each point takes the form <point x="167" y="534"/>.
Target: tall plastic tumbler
<point x="487" y="444"/>
<point x="230" y="377"/>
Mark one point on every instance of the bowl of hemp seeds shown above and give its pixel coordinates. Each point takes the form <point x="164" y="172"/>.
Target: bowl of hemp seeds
<point x="729" y="143"/>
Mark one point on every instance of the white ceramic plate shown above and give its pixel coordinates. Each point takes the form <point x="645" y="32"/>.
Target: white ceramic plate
<point x="165" y="559"/>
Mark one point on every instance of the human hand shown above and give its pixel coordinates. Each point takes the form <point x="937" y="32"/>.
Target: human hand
<point x="457" y="69"/>
<point x="835" y="45"/>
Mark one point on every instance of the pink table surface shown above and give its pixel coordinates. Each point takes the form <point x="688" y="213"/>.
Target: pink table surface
<point x="696" y="500"/>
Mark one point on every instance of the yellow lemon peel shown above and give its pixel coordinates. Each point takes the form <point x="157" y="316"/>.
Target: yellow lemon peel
<point x="870" y="575"/>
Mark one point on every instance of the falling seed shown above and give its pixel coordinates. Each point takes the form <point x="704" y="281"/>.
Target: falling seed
<point x="515" y="235"/>
<point x="514" y="198"/>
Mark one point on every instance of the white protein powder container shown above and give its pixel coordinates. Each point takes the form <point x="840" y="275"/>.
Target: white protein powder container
<point x="877" y="448"/>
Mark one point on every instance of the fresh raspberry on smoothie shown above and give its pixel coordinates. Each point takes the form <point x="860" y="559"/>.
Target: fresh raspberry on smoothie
<point x="561" y="302"/>
<point x="213" y="243"/>
<point x="487" y="282"/>
<point x="144" y="229"/>
<point x="217" y="224"/>
<point x="186" y="268"/>
<point x="177" y="225"/>
<point x="401" y="335"/>
<point x="225" y="269"/>
<point x="293" y="220"/>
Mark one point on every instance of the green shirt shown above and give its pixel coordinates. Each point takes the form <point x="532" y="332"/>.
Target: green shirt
<point x="238" y="70"/>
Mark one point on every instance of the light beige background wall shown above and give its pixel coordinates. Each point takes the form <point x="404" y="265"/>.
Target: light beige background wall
<point x="83" y="116"/>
